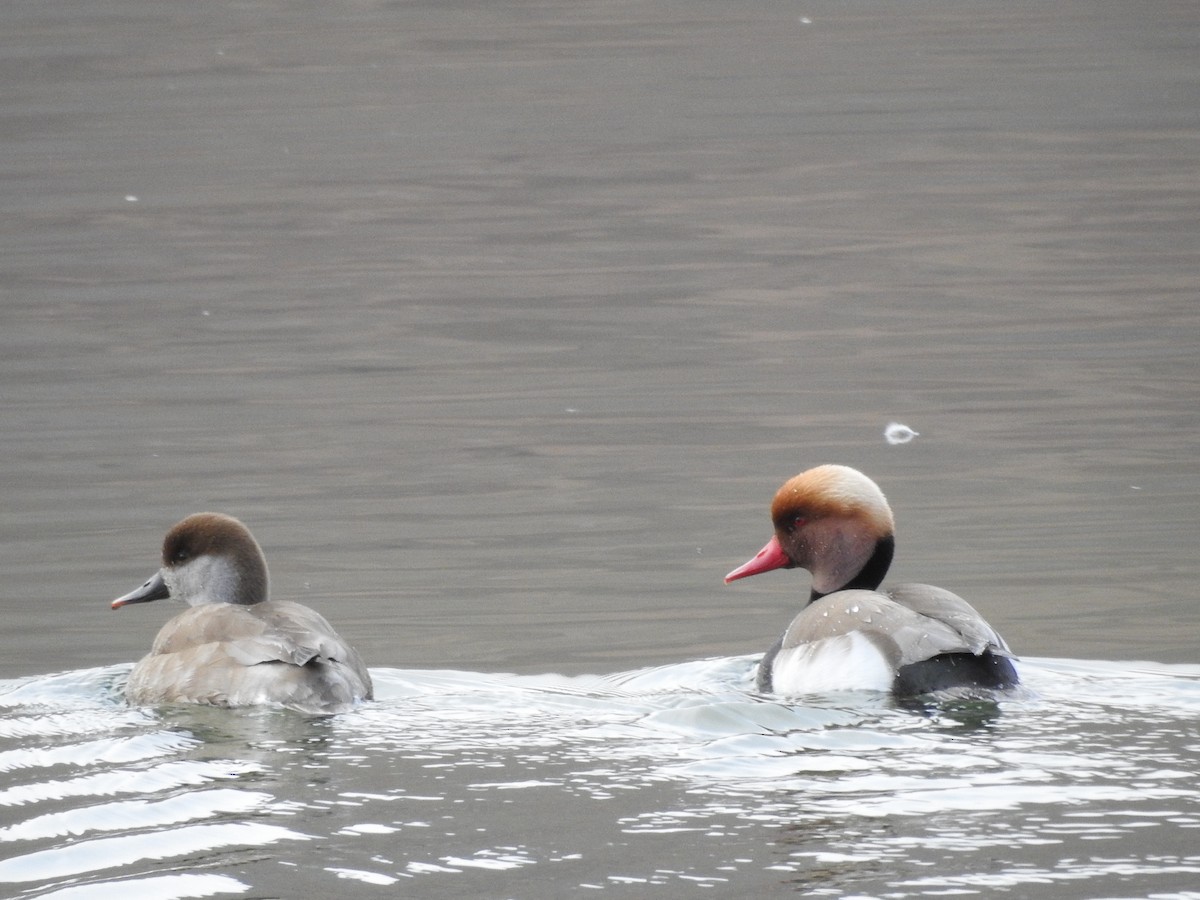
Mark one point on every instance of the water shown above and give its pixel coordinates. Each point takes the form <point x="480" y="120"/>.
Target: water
<point x="500" y="323"/>
<point x="456" y="784"/>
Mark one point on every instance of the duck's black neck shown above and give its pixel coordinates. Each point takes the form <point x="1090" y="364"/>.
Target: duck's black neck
<point x="870" y="576"/>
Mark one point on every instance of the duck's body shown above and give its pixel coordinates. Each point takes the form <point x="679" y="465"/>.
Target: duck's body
<point x="910" y="639"/>
<point x="234" y="646"/>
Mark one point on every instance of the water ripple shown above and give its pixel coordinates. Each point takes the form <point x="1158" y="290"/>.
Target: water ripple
<point x="154" y="887"/>
<point x="460" y="783"/>
<point x="119" y="852"/>
<point x="136" y="814"/>
<point x="164" y="777"/>
<point x="106" y="750"/>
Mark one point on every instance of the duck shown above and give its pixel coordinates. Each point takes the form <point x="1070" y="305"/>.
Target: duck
<point x="909" y="640"/>
<point x="234" y="646"/>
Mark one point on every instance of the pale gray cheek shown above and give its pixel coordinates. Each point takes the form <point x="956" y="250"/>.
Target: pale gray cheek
<point x="174" y="583"/>
<point x="203" y="580"/>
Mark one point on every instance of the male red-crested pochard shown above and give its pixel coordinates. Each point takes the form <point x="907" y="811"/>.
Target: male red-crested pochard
<point x="911" y="639"/>
<point x="235" y="646"/>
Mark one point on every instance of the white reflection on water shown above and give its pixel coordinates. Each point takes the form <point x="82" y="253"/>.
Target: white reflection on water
<point x="154" y="887"/>
<point x="457" y="783"/>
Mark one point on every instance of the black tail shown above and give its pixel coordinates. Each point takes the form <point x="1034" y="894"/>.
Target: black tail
<point x="953" y="670"/>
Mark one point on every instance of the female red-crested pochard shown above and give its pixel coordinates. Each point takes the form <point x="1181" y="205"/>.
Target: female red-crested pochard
<point x="235" y="646"/>
<point x="911" y="639"/>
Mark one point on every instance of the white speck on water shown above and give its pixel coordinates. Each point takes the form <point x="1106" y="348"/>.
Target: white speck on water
<point x="805" y="20"/>
<point x="205" y="312"/>
<point x="367" y="877"/>
<point x="896" y="433"/>
<point x="130" y="198"/>
<point x="368" y="828"/>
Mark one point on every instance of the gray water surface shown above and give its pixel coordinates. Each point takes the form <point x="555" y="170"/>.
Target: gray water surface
<point x="499" y="324"/>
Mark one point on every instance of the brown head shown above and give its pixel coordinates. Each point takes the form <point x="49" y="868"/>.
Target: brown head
<point x="207" y="558"/>
<point x="833" y="521"/>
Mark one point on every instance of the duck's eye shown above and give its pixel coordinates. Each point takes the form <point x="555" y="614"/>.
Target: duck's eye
<point x="180" y="554"/>
<point x="794" y="523"/>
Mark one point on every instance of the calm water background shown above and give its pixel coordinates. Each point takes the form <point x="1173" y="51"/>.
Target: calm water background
<point x="500" y="323"/>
